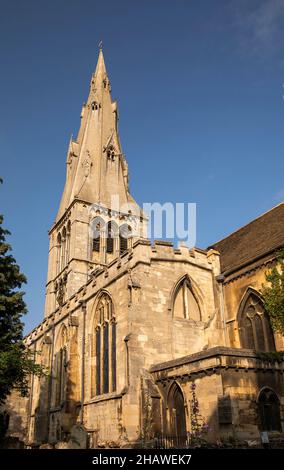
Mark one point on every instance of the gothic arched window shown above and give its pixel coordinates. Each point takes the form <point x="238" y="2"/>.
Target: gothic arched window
<point x="254" y="327"/>
<point x="111" y="152"/>
<point x="63" y="248"/>
<point x="41" y="390"/>
<point x="97" y="232"/>
<point x="94" y="106"/>
<point x="124" y="238"/>
<point x="269" y="411"/>
<point x="68" y="234"/>
<point x="60" y="366"/>
<point x="112" y="232"/>
<point x="185" y="304"/>
<point x="105" y="346"/>
<point x="58" y="261"/>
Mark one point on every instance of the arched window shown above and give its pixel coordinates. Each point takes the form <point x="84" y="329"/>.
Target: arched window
<point x="97" y="232"/>
<point x="94" y="106"/>
<point x="111" y="152"/>
<point x="254" y="327"/>
<point x="68" y="242"/>
<point x="105" y="346"/>
<point x="185" y="303"/>
<point x="41" y="393"/>
<point x="60" y="367"/>
<point x="63" y="249"/>
<point x="58" y="261"/>
<point x="269" y="411"/>
<point x="112" y="233"/>
<point x="124" y="238"/>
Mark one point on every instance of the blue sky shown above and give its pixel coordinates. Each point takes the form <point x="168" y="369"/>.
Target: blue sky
<point x="200" y="92"/>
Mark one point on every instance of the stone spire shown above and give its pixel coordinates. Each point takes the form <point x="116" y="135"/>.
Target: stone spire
<point x="96" y="173"/>
<point x="96" y="166"/>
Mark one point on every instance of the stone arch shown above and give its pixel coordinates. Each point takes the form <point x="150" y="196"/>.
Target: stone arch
<point x="254" y="327"/>
<point x="100" y="294"/>
<point x="176" y="412"/>
<point x="61" y="337"/>
<point x="186" y="300"/>
<point x="269" y="410"/>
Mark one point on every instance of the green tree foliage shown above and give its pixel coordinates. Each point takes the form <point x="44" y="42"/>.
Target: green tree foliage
<point x="16" y="362"/>
<point x="273" y="294"/>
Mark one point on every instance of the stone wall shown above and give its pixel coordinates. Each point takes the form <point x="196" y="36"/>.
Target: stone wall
<point x="228" y="383"/>
<point x="235" y="288"/>
<point x="141" y="285"/>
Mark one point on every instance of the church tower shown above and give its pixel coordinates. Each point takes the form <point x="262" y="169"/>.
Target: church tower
<point x="97" y="218"/>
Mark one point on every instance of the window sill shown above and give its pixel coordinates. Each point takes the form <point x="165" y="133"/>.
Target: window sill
<point x="104" y="397"/>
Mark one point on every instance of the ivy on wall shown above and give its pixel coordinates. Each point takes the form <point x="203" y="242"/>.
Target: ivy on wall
<point x="273" y="294"/>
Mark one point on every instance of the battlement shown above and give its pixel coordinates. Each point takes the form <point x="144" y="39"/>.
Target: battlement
<point x="142" y="252"/>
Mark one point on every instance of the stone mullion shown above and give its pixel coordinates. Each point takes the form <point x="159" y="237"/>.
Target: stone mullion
<point x="103" y="246"/>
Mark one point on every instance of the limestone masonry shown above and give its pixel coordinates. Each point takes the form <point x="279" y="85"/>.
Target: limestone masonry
<point x="129" y="326"/>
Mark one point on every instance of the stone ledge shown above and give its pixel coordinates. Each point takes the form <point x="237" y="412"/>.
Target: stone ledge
<point x="163" y="243"/>
<point x="104" y="397"/>
<point x="209" y="353"/>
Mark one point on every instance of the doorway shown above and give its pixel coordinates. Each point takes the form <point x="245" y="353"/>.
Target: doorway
<point x="269" y="411"/>
<point x="177" y="420"/>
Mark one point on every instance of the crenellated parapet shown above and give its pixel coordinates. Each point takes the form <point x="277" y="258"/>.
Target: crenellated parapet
<point x="141" y="252"/>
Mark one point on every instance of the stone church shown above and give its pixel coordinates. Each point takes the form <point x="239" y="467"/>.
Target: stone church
<point x="130" y="325"/>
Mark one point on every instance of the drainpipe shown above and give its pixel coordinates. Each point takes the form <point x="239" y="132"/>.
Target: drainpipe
<point x="220" y="279"/>
<point x="83" y="303"/>
<point x="126" y="340"/>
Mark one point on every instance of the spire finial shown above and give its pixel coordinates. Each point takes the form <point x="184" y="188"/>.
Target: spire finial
<point x="100" y="45"/>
